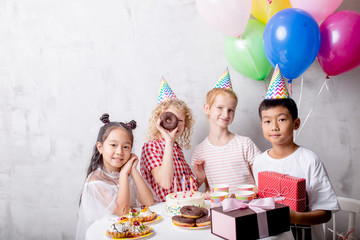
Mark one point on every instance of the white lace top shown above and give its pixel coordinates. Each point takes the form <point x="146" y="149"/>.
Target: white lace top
<point x="99" y="198"/>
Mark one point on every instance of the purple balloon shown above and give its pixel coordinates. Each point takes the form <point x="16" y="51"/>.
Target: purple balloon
<point x="340" y="42"/>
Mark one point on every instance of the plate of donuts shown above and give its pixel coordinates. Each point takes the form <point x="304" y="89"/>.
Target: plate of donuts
<point x="192" y="218"/>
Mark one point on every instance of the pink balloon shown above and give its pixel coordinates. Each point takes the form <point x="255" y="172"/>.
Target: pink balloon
<point x="340" y="42"/>
<point x="227" y="16"/>
<point x="319" y="9"/>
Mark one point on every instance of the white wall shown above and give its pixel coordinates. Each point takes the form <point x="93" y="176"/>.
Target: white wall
<point x="64" y="63"/>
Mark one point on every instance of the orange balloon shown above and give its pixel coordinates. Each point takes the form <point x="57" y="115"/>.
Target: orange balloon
<point x="263" y="10"/>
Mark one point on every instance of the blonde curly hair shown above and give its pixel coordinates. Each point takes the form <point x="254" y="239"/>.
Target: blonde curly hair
<point x="154" y="133"/>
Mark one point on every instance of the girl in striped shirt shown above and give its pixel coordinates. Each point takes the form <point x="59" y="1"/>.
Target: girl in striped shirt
<point x="223" y="157"/>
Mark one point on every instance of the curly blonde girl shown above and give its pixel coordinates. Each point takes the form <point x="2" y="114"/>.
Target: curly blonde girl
<point x="154" y="133"/>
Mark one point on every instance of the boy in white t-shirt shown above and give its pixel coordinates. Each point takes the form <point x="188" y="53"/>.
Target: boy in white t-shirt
<point x="279" y="118"/>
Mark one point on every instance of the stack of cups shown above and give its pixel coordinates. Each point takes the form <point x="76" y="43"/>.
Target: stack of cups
<point x="245" y="192"/>
<point x="219" y="193"/>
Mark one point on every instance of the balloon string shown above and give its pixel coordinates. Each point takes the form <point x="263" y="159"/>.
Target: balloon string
<point x="290" y="84"/>
<point x="311" y="109"/>
<point x="247" y="52"/>
<point x="268" y="9"/>
<point x="265" y="86"/>
<point x="301" y="89"/>
<point x="300" y="98"/>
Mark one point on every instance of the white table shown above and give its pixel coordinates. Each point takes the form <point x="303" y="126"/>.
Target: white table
<point x="165" y="229"/>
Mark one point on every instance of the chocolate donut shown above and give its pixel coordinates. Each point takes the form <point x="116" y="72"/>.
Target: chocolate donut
<point x="205" y="211"/>
<point x="169" y="120"/>
<point x="192" y="211"/>
<point x="203" y="221"/>
<point x="183" y="221"/>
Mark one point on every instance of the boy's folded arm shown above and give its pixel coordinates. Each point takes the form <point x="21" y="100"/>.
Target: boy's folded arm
<point x="310" y="218"/>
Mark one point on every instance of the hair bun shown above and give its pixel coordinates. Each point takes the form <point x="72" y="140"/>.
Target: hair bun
<point x="105" y="118"/>
<point x="132" y="124"/>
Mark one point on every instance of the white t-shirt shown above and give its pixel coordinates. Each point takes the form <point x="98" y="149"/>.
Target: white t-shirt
<point x="228" y="164"/>
<point x="303" y="163"/>
<point x="99" y="198"/>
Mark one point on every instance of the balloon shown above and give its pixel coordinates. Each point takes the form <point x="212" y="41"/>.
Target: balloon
<point x="246" y="54"/>
<point x="340" y="42"/>
<point x="261" y="8"/>
<point x="292" y="40"/>
<point x="227" y="16"/>
<point x="319" y="9"/>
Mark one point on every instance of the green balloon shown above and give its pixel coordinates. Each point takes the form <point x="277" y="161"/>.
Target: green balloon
<point x="246" y="53"/>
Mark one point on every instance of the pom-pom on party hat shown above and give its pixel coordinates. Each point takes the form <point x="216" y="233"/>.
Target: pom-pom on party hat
<point x="277" y="87"/>
<point x="165" y="92"/>
<point x="224" y="80"/>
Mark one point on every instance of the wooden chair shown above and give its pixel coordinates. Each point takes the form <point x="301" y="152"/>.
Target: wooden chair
<point x="352" y="206"/>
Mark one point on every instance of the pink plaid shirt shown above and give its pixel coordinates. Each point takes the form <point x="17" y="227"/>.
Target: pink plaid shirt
<point x="151" y="157"/>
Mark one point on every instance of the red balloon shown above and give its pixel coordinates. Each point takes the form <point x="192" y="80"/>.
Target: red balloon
<point x="340" y="42"/>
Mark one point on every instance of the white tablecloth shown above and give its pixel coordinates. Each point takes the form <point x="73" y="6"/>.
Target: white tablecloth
<point x="164" y="229"/>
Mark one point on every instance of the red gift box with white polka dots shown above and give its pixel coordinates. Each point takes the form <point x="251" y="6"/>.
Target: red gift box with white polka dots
<point x="290" y="190"/>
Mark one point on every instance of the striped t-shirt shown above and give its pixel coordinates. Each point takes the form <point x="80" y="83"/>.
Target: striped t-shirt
<point x="228" y="164"/>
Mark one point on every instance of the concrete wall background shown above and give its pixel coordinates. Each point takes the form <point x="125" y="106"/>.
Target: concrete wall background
<point x="64" y="63"/>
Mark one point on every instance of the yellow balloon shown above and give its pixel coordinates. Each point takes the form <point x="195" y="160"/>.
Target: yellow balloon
<point x="262" y="10"/>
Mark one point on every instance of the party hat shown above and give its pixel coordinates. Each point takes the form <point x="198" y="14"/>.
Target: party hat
<point x="165" y="92"/>
<point x="277" y="87"/>
<point x="224" y="80"/>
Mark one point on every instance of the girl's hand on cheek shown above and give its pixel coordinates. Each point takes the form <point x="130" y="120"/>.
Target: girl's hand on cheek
<point x="126" y="168"/>
<point x="135" y="162"/>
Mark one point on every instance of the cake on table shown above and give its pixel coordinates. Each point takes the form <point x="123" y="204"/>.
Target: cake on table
<point x="175" y="202"/>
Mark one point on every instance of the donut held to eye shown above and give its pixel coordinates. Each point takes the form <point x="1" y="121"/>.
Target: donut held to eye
<point x="169" y="121"/>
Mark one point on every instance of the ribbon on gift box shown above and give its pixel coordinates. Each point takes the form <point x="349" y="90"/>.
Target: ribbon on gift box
<point x="282" y="191"/>
<point x="257" y="205"/>
<point x="280" y="196"/>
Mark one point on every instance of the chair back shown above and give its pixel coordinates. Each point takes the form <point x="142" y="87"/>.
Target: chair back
<point x="352" y="206"/>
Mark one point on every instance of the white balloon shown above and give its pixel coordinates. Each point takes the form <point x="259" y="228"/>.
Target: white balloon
<point x="227" y="16"/>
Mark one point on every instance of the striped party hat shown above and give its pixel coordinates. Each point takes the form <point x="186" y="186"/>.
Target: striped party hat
<point x="224" y="80"/>
<point x="165" y="92"/>
<point x="277" y="87"/>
